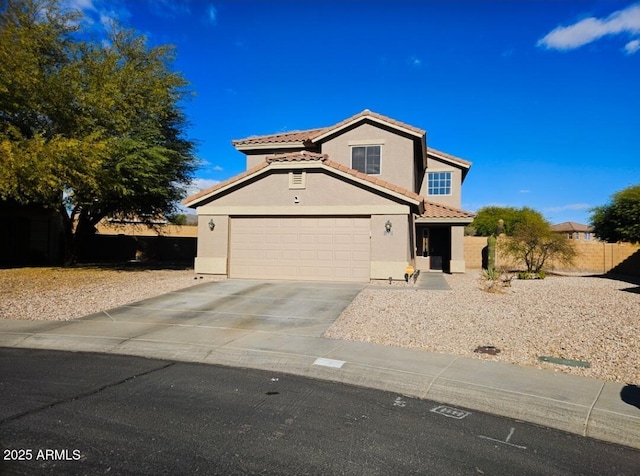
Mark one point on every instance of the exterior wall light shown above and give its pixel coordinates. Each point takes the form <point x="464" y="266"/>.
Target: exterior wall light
<point x="387" y="226"/>
<point x="212" y="224"/>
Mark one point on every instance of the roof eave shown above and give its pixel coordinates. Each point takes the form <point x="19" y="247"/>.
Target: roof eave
<point x="448" y="220"/>
<point x="270" y="145"/>
<point x="356" y="120"/>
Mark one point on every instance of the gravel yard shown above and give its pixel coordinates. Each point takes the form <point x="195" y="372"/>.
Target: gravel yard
<point x="60" y="294"/>
<point x="579" y="318"/>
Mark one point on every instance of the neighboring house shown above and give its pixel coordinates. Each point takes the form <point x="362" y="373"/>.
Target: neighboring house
<point x="574" y="231"/>
<point x="355" y="201"/>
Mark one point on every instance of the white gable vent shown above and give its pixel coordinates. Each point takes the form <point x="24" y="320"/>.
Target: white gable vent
<point x="297" y="180"/>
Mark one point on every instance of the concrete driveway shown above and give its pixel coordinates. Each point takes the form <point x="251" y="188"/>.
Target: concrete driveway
<point x="212" y="321"/>
<point x="277" y="326"/>
<point x="243" y="305"/>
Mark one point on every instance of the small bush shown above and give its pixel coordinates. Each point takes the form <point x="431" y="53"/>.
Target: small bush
<point x="491" y="274"/>
<point x="541" y="274"/>
<point x="493" y="281"/>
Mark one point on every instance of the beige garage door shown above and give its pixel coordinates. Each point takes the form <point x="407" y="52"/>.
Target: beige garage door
<point x="314" y="249"/>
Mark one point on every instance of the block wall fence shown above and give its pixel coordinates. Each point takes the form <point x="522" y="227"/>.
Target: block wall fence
<point x="592" y="257"/>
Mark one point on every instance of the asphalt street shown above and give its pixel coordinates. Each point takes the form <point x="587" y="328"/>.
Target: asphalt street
<point x="84" y="413"/>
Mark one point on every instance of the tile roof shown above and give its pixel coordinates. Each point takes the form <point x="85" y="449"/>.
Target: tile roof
<point x="450" y="157"/>
<point x="297" y="156"/>
<point x="283" y="137"/>
<point x="311" y="134"/>
<point x="367" y="113"/>
<point x="437" y="210"/>
<point x="571" y="226"/>
<point x="374" y="180"/>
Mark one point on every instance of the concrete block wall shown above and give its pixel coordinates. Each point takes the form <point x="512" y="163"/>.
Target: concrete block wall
<point x="592" y="256"/>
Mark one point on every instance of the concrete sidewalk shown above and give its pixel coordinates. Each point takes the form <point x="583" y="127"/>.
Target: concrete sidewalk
<point x="185" y="326"/>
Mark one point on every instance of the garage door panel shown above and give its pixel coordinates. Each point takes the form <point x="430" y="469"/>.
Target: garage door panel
<point x="301" y="248"/>
<point x="360" y="256"/>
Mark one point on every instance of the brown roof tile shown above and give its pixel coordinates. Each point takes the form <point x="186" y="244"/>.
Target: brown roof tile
<point x="368" y="113"/>
<point x="311" y="134"/>
<point x="299" y="155"/>
<point x="571" y="226"/>
<point x="374" y="180"/>
<point x="283" y="137"/>
<point x="437" y="210"/>
<point x="453" y="158"/>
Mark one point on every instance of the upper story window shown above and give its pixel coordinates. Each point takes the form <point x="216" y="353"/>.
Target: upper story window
<point x="439" y="183"/>
<point x="366" y="159"/>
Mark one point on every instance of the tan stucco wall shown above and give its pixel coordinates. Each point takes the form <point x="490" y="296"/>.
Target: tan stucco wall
<point x="321" y="189"/>
<point x="390" y="252"/>
<point x="396" y="152"/>
<point x="457" y="263"/>
<point x="212" y="245"/>
<point x="453" y="200"/>
<point x="592" y="257"/>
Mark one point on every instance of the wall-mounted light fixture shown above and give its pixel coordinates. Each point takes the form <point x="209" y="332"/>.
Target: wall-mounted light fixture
<point x="212" y="224"/>
<point x="387" y="226"/>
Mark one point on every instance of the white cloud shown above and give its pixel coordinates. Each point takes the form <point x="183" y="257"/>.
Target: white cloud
<point x="524" y="191"/>
<point x="591" y="29"/>
<point x="99" y="15"/>
<point x="213" y="14"/>
<point x="83" y="5"/>
<point x="631" y="47"/>
<point x="198" y="184"/>
<point x="217" y="168"/>
<point x="415" y="61"/>
<point x="570" y="206"/>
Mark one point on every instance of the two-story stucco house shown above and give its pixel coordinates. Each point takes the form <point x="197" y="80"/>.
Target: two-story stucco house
<point x="355" y="201"/>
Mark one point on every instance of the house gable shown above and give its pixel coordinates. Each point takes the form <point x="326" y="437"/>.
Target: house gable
<point x="328" y="185"/>
<point x="409" y="159"/>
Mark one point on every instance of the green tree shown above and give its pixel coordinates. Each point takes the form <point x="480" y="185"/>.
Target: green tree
<point x="533" y="243"/>
<point x="177" y="219"/>
<point x="91" y="128"/>
<point x="486" y="220"/>
<point x="619" y="220"/>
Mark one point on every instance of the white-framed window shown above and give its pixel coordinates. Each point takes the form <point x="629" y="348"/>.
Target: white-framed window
<point x="587" y="236"/>
<point x="439" y="183"/>
<point x="366" y="159"/>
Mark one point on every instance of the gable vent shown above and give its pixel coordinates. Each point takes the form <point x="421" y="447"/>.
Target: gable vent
<point x="297" y="180"/>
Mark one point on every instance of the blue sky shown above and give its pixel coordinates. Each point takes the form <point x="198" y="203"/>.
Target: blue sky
<point x="542" y="96"/>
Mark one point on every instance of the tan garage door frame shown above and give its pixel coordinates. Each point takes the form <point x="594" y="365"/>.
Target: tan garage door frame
<point x="303" y="248"/>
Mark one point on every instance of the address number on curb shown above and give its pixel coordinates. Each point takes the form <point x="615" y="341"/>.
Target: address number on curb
<point x="450" y="412"/>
